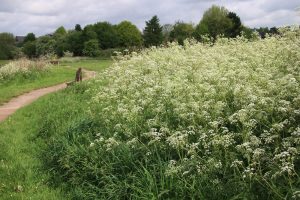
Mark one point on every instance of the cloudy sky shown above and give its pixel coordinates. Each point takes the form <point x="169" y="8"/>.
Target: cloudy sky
<point x="44" y="16"/>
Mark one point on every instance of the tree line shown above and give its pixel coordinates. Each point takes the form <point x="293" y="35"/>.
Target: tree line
<point x="95" y="38"/>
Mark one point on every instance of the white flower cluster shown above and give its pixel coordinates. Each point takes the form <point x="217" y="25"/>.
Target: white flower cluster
<point x="23" y="66"/>
<point x="235" y="103"/>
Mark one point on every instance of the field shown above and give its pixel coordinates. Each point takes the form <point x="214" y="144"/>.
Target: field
<point x="89" y="64"/>
<point x="57" y="74"/>
<point x="199" y="121"/>
<point x="3" y="62"/>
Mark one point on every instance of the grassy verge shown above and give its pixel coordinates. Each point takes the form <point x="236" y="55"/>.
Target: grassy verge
<point x="3" y="62"/>
<point x="89" y="64"/>
<point x="21" y="85"/>
<point x="21" y="175"/>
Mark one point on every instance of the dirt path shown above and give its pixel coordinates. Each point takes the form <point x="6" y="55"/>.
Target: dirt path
<point x="14" y="104"/>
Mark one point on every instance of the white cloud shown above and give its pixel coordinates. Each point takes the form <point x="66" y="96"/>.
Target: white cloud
<point x="44" y="16"/>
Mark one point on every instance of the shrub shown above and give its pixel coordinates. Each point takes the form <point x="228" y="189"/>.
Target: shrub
<point x="91" y="48"/>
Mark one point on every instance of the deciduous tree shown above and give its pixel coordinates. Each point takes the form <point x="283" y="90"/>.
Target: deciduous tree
<point x="129" y="34"/>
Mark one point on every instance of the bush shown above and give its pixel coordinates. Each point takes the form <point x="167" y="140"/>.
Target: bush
<point x="29" y="49"/>
<point x="91" y="48"/>
<point x="191" y="122"/>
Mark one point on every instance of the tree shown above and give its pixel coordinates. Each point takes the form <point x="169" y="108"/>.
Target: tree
<point x="29" y="38"/>
<point x="60" y="37"/>
<point x="91" y="48"/>
<point x="236" y="28"/>
<point x="61" y="45"/>
<point x="181" y="31"/>
<point x="45" y="45"/>
<point x="262" y="31"/>
<point x="129" y="35"/>
<point x="166" y="30"/>
<point x="78" y="27"/>
<point x="29" y="49"/>
<point x="107" y="35"/>
<point x="247" y="32"/>
<point x="7" y="46"/>
<point x="89" y="33"/>
<point x="75" y="42"/>
<point x="153" y="32"/>
<point x="215" y="21"/>
<point x="274" y="31"/>
<point x="60" y="31"/>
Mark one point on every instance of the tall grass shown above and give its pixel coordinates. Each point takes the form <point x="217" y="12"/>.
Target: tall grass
<point x="21" y="167"/>
<point x="198" y="121"/>
<point x="22" y="68"/>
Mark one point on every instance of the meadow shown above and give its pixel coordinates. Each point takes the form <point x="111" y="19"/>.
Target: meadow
<point x="15" y="80"/>
<point x="199" y="121"/>
<point x="3" y="62"/>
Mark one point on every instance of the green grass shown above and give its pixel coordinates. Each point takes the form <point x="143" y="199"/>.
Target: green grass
<point x="3" y="62"/>
<point x="89" y="64"/>
<point x="21" y="85"/>
<point x="21" y="146"/>
<point x="25" y="135"/>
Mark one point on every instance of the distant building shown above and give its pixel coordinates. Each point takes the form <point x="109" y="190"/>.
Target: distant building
<point x="20" y="39"/>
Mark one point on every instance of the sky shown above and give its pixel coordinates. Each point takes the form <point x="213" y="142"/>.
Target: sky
<point x="45" y="16"/>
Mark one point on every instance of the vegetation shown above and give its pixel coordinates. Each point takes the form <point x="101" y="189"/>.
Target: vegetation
<point x="153" y="35"/>
<point x="22" y="67"/>
<point x="181" y="31"/>
<point x="215" y="21"/>
<point x="89" y="64"/>
<point x="129" y="35"/>
<point x="4" y="62"/>
<point x="200" y="122"/>
<point x="23" y="76"/>
<point x="91" y="48"/>
<point x="102" y="37"/>
<point x="215" y="117"/>
<point x="7" y="46"/>
<point x="21" y="174"/>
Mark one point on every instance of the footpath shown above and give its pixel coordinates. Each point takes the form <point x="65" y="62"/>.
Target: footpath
<point x="18" y="102"/>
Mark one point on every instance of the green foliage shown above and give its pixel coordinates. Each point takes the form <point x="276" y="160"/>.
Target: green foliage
<point x="75" y="42"/>
<point x="7" y="46"/>
<point x="91" y="48"/>
<point x="107" y="35"/>
<point x="78" y="27"/>
<point x="34" y="79"/>
<point x="214" y="22"/>
<point x="21" y="169"/>
<point x="30" y="37"/>
<point x="166" y="31"/>
<point x="236" y="28"/>
<point x="199" y="122"/>
<point x="89" y="33"/>
<point x="129" y="35"/>
<point x="152" y="33"/>
<point x="29" y="49"/>
<point x="45" y="45"/>
<point x="60" y="31"/>
<point x="93" y="64"/>
<point x="264" y="31"/>
<point x="181" y="31"/>
<point x="247" y="32"/>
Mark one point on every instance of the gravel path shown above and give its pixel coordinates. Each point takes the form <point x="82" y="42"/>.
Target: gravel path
<point x="18" y="102"/>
